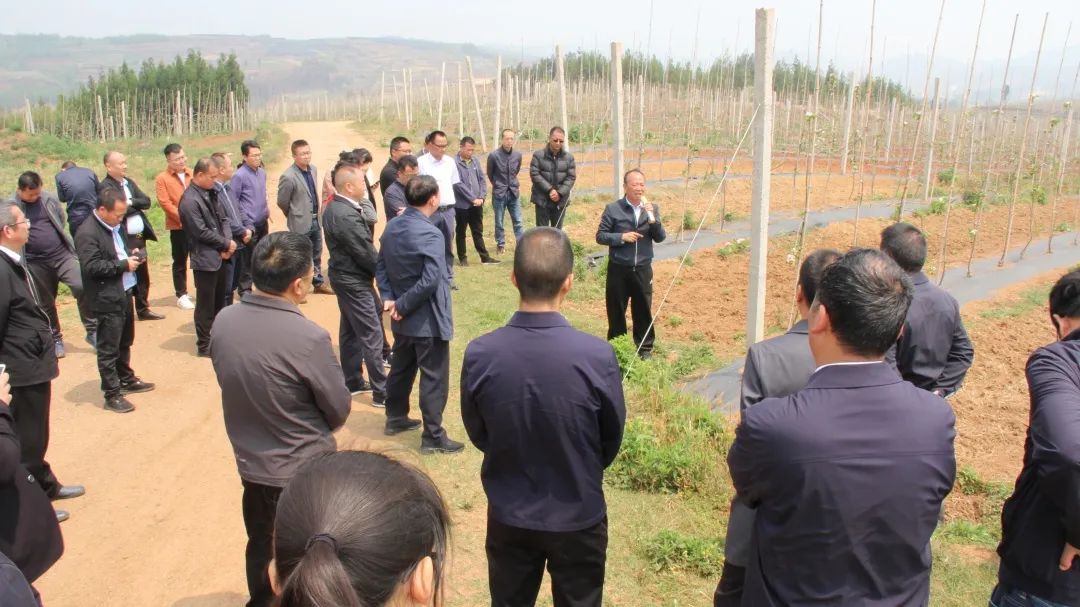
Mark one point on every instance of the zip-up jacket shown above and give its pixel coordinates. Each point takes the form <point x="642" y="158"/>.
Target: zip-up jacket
<point x="618" y="218"/>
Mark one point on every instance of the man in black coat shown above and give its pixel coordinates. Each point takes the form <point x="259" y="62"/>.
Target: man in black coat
<point x="108" y="268"/>
<point x="1040" y="523"/>
<point x="29" y="529"/>
<point x="210" y="248"/>
<point x="934" y="351"/>
<point x="352" y="272"/>
<point x="849" y="474"/>
<point x="553" y="173"/>
<point x="77" y="187"/>
<point x="26" y="347"/>
<point x="137" y="227"/>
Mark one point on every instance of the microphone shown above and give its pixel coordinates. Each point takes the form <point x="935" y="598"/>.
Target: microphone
<point x="652" y="218"/>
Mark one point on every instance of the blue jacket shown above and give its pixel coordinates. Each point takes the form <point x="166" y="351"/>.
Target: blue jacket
<point x="618" y="218"/>
<point x="473" y="185"/>
<point x="411" y="272"/>
<point x="848" y="476"/>
<point x="77" y="187"/>
<point x="1044" y="510"/>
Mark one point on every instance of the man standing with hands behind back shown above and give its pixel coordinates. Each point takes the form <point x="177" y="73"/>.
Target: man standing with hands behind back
<point x="629" y="227"/>
<point x="170" y="185"/>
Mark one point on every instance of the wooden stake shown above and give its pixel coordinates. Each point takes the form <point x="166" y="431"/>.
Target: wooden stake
<point x="850" y="113"/>
<point x="765" y="27"/>
<point x="560" y="69"/>
<point x="460" y="103"/>
<point x="498" y="100"/>
<point x="930" y="143"/>
<point x="617" y="127"/>
<point x="921" y="116"/>
<point x="476" y="105"/>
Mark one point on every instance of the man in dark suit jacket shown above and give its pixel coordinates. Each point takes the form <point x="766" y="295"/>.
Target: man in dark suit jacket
<point x="848" y="475"/>
<point x="934" y="351"/>
<point x="1040" y="523"/>
<point x="137" y="227"/>
<point x="77" y="187"/>
<point x="109" y="283"/>
<point x="352" y="271"/>
<point x="210" y="247"/>
<point x="29" y="529"/>
<point x="548" y="424"/>
<point x="415" y="288"/>
<point x="26" y="347"/>
<point x="775" y="367"/>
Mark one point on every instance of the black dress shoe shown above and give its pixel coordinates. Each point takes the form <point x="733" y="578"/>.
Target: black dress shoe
<point x="119" y="404"/>
<point x="442" y="445"/>
<point x="203" y="353"/>
<point x="150" y="315"/>
<point x="490" y="261"/>
<point x="134" y="387"/>
<point x="361" y="388"/>
<point x="401" y="426"/>
<point x="62" y="515"/>
<point x="69" y="491"/>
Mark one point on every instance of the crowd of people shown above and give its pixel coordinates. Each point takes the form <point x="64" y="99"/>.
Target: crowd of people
<point x="841" y="461"/>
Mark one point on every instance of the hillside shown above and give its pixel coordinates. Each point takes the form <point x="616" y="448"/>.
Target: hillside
<point x="43" y="66"/>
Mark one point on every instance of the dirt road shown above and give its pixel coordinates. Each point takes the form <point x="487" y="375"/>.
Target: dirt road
<point x="161" y="522"/>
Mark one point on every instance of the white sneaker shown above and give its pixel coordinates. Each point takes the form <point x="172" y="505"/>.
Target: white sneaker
<point x="185" y="303"/>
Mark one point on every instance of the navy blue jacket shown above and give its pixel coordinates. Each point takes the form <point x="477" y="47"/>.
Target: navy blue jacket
<point x="618" y="218"/>
<point x="548" y="423"/>
<point x="473" y="184"/>
<point x="848" y="476"/>
<point x="411" y="272"/>
<point x="934" y="352"/>
<point x="77" y="187"/>
<point x="1044" y="510"/>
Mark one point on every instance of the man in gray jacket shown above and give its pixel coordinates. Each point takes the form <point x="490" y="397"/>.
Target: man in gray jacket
<point x="553" y="174"/>
<point x="629" y="227"/>
<point x="282" y="392"/>
<point x="299" y="201"/>
<point x="50" y="253"/>
<point x="469" y="196"/>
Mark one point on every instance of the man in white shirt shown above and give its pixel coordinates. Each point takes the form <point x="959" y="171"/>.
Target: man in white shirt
<point x="444" y="169"/>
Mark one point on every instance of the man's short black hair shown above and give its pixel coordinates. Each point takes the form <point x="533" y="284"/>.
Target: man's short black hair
<point x="420" y="189"/>
<point x="407" y="162"/>
<point x="29" y="180"/>
<point x="867" y="296"/>
<point x="542" y="261"/>
<point x="296" y="145"/>
<point x="466" y="140"/>
<point x="556" y="129"/>
<point x="432" y="135"/>
<point x="906" y="244"/>
<point x="363" y="156"/>
<point x="395" y="143"/>
<point x="811" y="269"/>
<point x="1065" y="297"/>
<point x="173" y="148"/>
<point x="202" y="165"/>
<point x="279" y="259"/>
<point x="108" y="198"/>
<point x="247" y="145"/>
<point x="68" y="164"/>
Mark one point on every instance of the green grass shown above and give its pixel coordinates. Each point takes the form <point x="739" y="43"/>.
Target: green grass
<point x="673" y="550"/>
<point x="1028" y="300"/>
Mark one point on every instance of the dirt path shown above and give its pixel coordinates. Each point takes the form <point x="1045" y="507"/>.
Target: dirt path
<point x="161" y="521"/>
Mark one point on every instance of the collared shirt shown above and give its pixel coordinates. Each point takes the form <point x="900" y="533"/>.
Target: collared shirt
<point x="310" y="181"/>
<point x="133" y="222"/>
<point x="249" y="192"/>
<point x="121" y="250"/>
<point x="169" y="186"/>
<point x="445" y="172"/>
<point x="502" y="170"/>
<point x="12" y="254"/>
<point x="853" y="363"/>
<point x="548" y="423"/>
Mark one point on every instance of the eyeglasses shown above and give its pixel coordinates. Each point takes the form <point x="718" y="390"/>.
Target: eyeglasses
<point x="17" y="223"/>
<point x="443" y="146"/>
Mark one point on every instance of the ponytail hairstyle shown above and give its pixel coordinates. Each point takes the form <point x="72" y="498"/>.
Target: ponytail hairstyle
<point x="351" y="528"/>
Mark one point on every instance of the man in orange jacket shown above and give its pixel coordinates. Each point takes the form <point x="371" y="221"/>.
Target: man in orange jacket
<point x="170" y="185"/>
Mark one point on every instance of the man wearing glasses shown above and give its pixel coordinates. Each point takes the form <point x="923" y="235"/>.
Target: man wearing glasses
<point x="553" y="174"/>
<point x="444" y="169"/>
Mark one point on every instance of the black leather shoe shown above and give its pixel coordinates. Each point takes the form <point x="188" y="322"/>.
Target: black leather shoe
<point x="202" y="353"/>
<point x="119" y="404"/>
<point x="150" y="315"/>
<point x="360" y="389"/>
<point x="69" y="491"/>
<point x="136" y="386"/>
<point x="401" y="426"/>
<point x="443" y="445"/>
<point x="490" y="261"/>
<point x="62" y="515"/>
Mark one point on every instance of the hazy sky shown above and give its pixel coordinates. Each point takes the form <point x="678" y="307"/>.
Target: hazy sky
<point x="509" y="24"/>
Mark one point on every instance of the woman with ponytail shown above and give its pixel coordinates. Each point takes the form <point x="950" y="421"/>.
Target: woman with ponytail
<point x="359" y="529"/>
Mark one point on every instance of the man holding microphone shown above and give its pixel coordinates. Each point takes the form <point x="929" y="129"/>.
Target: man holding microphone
<point x="629" y="227"/>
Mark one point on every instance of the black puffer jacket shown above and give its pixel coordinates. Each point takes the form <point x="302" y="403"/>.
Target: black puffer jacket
<point x="552" y="172"/>
<point x="26" y="342"/>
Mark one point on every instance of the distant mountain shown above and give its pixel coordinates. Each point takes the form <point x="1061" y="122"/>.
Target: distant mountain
<point x="43" y="66"/>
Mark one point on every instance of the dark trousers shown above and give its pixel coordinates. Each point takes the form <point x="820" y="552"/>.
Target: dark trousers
<point x="115" y="334"/>
<point x="444" y="220"/>
<point x="550" y="215"/>
<point x="431" y="357"/>
<point x="30" y="410"/>
<point x="575" y="560"/>
<point x="473" y="219"/>
<point x="142" y="277"/>
<point x="633" y="284"/>
<point x="49" y="274"/>
<point x="315" y="235"/>
<point x="260" y="506"/>
<point x="243" y="269"/>
<point x="230" y="278"/>
<point x="178" y="240"/>
<point x="360" y="334"/>
<point x="740" y="530"/>
<point x="209" y="300"/>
